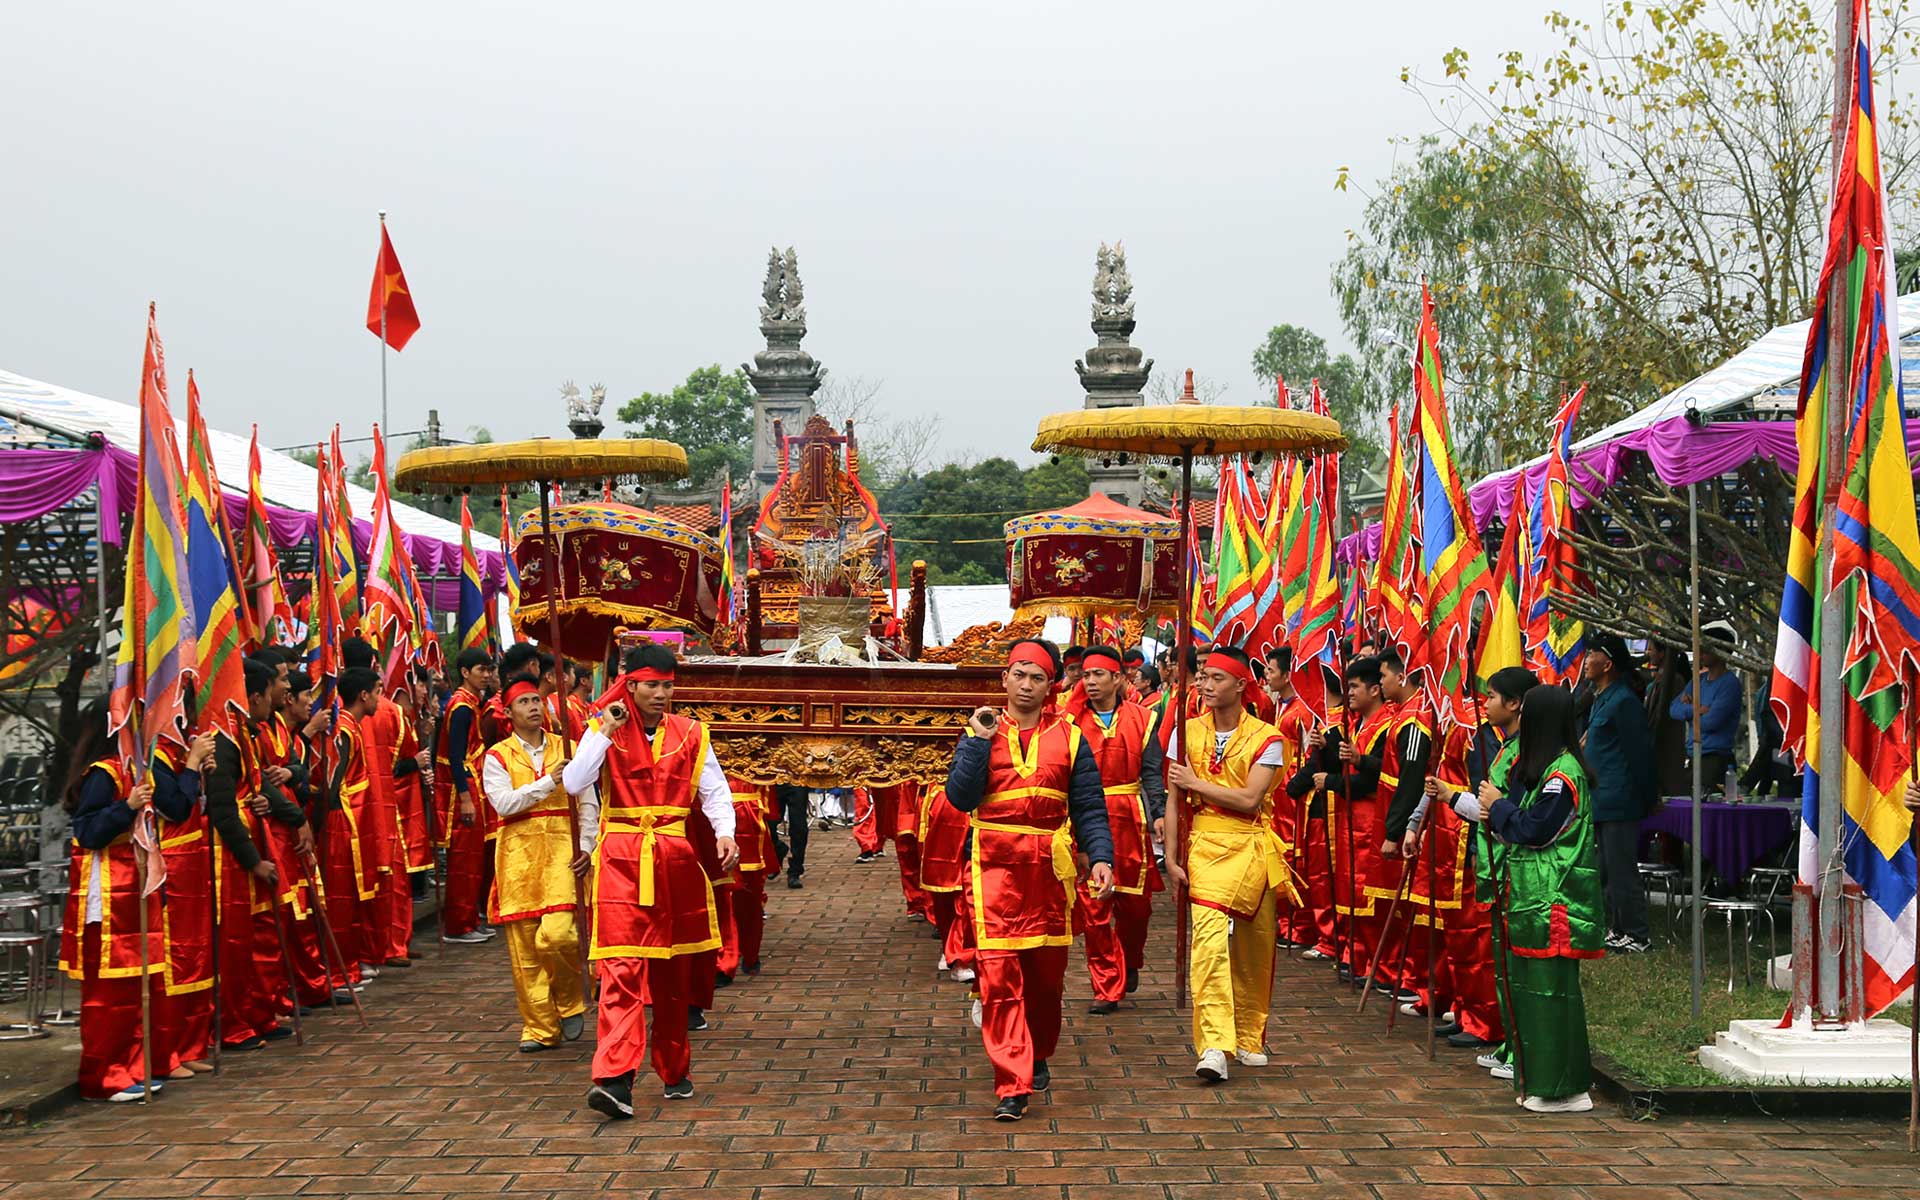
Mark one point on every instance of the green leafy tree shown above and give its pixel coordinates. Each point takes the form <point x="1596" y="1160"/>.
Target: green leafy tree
<point x="711" y="414"/>
<point x="1300" y="356"/>
<point x="954" y="517"/>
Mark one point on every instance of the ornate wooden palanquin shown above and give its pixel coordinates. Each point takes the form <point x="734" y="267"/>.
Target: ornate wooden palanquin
<point x="619" y="567"/>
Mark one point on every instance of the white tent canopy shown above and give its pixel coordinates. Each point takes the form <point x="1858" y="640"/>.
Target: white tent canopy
<point x="285" y="482"/>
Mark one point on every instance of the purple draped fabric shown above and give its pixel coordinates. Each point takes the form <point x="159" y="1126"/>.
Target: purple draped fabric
<point x="36" y="481"/>
<point x="1680" y="451"/>
<point x="1734" y="838"/>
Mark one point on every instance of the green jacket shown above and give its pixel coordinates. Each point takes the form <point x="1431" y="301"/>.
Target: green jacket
<point x="1491" y="852"/>
<point x="1554" y="904"/>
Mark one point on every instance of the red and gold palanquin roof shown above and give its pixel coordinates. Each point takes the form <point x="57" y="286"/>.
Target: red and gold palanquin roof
<point x="1095" y="556"/>
<point x="619" y="566"/>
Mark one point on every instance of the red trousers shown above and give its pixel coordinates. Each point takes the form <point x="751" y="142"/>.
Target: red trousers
<point x="182" y="1028"/>
<point x="110" y="1027"/>
<point x="1020" y="1011"/>
<point x="953" y="917"/>
<point x="1131" y="916"/>
<point x="1312" y="924"/>
<point x="727" y="958"/>
<point x="621" y="1029"/>
<point x="253" y="983"/>
<point x="343" y="901"/>
<point x="310" y="980"/>
<point x="469" y="878"/>
<point x="906" y="848"/>
<point x="866" y="825"/>
<point x="1469" y="966"/>
<point x="749" y="918"/>
<point x="1106" y="958"/>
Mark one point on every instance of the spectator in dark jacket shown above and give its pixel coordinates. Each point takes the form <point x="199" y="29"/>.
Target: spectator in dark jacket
<point x="1672" y="673"/>
<point x="1620" y="754"/>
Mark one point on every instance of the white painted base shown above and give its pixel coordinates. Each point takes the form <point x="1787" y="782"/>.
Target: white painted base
<point x="1760" y="1052"/>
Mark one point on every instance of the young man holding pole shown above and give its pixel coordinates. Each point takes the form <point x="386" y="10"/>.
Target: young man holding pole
<point x="1034" y="789"/>
<point x="1233" y="864"/>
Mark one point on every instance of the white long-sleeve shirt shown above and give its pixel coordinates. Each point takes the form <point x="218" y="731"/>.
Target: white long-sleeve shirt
<point x="508" y="800"/>
<point x="583" y="772"/>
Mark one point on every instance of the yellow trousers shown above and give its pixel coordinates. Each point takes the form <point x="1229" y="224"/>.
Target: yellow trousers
<point x="1230" y="969"/>
<point x="545" y="952"/>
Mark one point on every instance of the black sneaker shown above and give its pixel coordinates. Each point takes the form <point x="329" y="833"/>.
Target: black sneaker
<point x="722" y="979"/>
<point x="1101" y="1008"/>
<point x="533" y="1047"/>
<point x="613" y="1098"/>
<point x="279" y="1033"/>
<point x="1466" y="1041"/>
<point x="572" y="1027"/>
<point x="1011" y="1108"/>
<point x="696" y="1020"/>
<point x="1403" y="996"/>
<point x="793" y="881"/>
<point x="679" y="1091"/>
<point x="1447" y="1030"/>
<point x="1133" y="980"/>
<point x="1042" y="1078"/>
<point x="752" y="968"/>
<point x="245" y="1044"/>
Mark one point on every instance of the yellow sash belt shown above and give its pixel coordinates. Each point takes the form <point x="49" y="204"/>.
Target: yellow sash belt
<point x="1061" y="837"/>
<point x="1122" y="789"/>
<point x="648" y="822"/>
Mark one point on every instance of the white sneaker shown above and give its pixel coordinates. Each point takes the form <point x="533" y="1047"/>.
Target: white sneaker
<point x="1565" y="1104"/>
<point x="1487" y="1062"/>
<point x="943" y="963"/>
<point x="1448" y="1018"/>
<point x="1212" y="1067"/>
<point x="1314" y="955"/>
<point x="1410" y="1009"/>
<point x="1503" y="1071"/>
<point x="963" y="975"/>
<point x="976" y="1014"/>
<point x="1250" y="1058"/>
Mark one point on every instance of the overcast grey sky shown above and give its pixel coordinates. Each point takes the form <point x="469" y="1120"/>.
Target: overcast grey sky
<point x="588" y="191"/>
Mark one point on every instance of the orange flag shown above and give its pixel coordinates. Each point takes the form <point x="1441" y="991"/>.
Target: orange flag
<point x="390" y="298"/>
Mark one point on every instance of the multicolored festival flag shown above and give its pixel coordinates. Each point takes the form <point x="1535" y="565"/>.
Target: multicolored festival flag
<point x="1199" y="600"/>
<point x="1451" y="556"/>
<point x="1235" y="518"/>
<point x="390" y="311"/>
<point x="387" y="611"/>
<point x="476" y="631"/>
<point x="221" y="627"/>
<point x="1502" y="644"/>
<point x="1874" y="575"/>
<point x="346" y="567"/>
<point x="325" y="627"/>
<point x="158" y="648"/>
<point x="1315" y="636"/>
<point x="729" y="602"/>
<point x="512" y="568"/>
<point x="1388" y="611"/>
<point x="260" y="562"/>
<point x="1555" y="640"/>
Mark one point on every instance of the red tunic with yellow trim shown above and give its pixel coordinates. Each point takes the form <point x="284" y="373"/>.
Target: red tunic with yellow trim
<point x="1294" y="723"/>
<point x="1022" y="864"/>
<point x="943" y="841"/>
<point x="752" y="804"/>
<point x="445" y="806"/>
<point x="115" y="872"/>
<point x="651" y="896"/>
<point x="533" y="852"/>
<point x="1441" y="872"/>
<point x="279" y="748"/>
<point x="1362" y="879"/>
<point x="355" y="797"/>
<point x="187" y="917"/>
<point x="1118" y="749"/>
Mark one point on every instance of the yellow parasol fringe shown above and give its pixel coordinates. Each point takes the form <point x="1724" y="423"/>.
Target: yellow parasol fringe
<point x="538" y="460"/>
<point x="1168" y="431"/>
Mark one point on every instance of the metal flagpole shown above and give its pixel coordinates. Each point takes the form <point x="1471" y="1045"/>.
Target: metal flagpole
<point x="383" y="320"/>
<point x="1698" y="923"/>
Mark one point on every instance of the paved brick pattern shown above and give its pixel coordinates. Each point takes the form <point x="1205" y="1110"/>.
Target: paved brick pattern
<point x="850" y="1069"/>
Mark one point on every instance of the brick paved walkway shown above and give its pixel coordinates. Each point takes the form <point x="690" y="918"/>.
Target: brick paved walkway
<point x="849" y="1068"/>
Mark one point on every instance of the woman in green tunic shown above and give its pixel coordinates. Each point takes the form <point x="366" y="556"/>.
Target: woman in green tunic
<point x="1554" y="914"/>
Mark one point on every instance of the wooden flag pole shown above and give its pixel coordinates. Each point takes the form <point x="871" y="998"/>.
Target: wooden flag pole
<point x="566" y="740"/>
<point x="1183" y="646"/>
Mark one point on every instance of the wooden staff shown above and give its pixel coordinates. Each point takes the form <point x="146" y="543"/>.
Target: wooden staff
<point x="279" y="930"/>
<point x="145" y="818"/>
<point x="560" y="677"/>
<point x="1386" y="934"/>
<point x="429" y="805"/>
<point x="213" y="896"/>
<point x="335" y="960"/>
<point x="1183" y="645"/>
<point x="1427" y="832"/>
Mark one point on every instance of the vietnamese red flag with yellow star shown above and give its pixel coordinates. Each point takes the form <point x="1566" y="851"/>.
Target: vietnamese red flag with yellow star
<point x="390" y="311"/>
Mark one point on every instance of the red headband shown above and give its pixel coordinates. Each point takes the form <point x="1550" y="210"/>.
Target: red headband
<point x="1232" y="666"/>
<point x="647" y="674"/>
<point x="517" y="689"/>
<point x="1100" y="660"/>
<point x="1033" y="655"/>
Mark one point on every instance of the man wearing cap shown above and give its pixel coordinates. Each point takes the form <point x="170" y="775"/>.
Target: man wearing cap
<point x="1227" y="766"/>
<point x="1119" y="731"/>
<point x="533" y="879"/>
<point x="1034" y="789"/>
<point x="639" y="771"/>
<point x="1619" y="752"/>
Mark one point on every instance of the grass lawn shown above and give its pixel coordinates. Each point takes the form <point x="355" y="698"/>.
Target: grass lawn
<point x="1640" y="1009"/>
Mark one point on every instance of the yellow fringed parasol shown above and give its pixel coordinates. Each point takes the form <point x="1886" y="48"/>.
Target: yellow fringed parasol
<point x="1183" y="430"/>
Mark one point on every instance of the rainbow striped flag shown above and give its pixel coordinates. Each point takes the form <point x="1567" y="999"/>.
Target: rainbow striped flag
<point x="729" y="602"/>
<point x="476" y="632"/>
<point x="1386" y="584"/>
<point x="1451" y="556"/>
<point x="387" y="613"/>
<point x="1874" y="574"/>
<point x="1555" y="640"/>
<point x="512" y="566"/>
<point x="1200" y="599"/>
<point x="260" y="562"/>
<point x="1315" y="636"/>
<point x="1503" y="644"/>
<point x="346" y="567"/>
<point x="1233" y="555"/>
<point x="158" y="650"/>
<point x="213" y="577"/>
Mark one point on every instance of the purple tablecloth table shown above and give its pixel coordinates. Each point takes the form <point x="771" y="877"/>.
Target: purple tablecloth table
<point x="1734" y="838"/>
